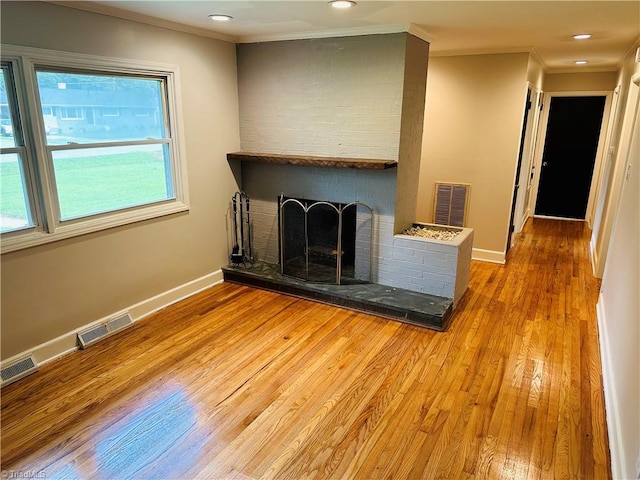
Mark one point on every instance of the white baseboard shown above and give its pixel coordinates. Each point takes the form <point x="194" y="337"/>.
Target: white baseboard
<point x="592" y="256"/>
<point x="67" y="343"/>
<point x="610" y="400"/>
<point x="598" y="270"/>
<point x="548" y="217"/>
<point x="491" y="256"/>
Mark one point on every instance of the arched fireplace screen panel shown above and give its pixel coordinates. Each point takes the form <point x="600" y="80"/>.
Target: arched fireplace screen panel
<point x="325" y="242"/>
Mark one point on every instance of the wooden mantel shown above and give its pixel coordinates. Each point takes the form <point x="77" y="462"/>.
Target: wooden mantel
<point x="314" y="161"/>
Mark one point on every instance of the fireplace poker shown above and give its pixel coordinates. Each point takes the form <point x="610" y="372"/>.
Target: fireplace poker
<point x="249" y="256"/>
<point x="240" y="194"/>
<point x="242" y="249"/>
<point x="236" y="256"/>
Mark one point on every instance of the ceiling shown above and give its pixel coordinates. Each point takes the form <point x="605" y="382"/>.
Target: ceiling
<point x="452" y="27"/>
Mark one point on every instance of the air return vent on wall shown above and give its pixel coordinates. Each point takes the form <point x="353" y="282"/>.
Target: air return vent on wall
<point x="18" y="369"/>
<point x="99" y="332"/>
<point x="451" y="204"/>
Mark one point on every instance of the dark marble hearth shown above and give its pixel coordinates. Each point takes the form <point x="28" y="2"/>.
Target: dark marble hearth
<point x="417" y="308"/>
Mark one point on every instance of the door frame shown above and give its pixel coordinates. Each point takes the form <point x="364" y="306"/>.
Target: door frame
<point x="517" y="190"/>
<point x="523" y="200"/>
<point x="612" y="182"/>
<point x="542" y="138"/>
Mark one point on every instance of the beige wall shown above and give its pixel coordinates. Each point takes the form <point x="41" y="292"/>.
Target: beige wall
<point x="473" y="120"/>
<point x="53" y="289"/>
<point x="580" y="82"/>
<point x="619" y="305"/>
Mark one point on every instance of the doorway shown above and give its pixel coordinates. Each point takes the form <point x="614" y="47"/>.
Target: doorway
<point x="516" y="188"/>
<point x="569" y="155"/>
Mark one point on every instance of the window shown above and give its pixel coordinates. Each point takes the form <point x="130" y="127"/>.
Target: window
<point x="143" y="112"/>
<point x="15" y="202"/>
<point x="110" y="112"/>
<point x="71" y="113"/>
<point x="85" y="171"/>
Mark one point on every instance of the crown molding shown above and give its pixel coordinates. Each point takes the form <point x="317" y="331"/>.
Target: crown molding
<point x="421" y="33"/>
<point x="630" y="51"/>
<point x="411" y="28"/>
<point x="484" y="51"/>
<point x="329" y="33"/>
<point x="536" y="56"/>
<point x="581" y="69"/>
<point x="101" y="9"/>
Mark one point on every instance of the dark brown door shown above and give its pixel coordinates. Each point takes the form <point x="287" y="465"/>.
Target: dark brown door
<point x="569" y="155"/>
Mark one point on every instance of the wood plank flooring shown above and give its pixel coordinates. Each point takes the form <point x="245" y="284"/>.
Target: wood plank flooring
<point x="239" y="383"/>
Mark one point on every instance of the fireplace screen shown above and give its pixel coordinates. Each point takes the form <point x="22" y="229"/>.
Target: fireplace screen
<point x="325" y="242"/>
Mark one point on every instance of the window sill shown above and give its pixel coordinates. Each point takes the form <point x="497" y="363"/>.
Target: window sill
<point x="19" y="240"/>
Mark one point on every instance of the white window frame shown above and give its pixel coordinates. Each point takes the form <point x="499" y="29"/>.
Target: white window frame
<point x="109" y="112"/>
<point x="48" y="226"/>
<point x="22" y="149"/>
<point x="78" y="114"/>
<point x="142" y="112"/>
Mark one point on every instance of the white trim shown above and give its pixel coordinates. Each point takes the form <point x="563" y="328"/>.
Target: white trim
<point x="66" y="343"/>
<point x="600" y="159"/>
<point x="485" y="51"/>
<point x="533" y="151"/>
<point x="267" y="37"/>
<point x="616" y="174"/>
<point x="604" y="174"/>
<point x="111" y="11"/>
<point x="583" y="69"/>
<point x="491" y="256"/>
<point x="19" y="240"/>
<point x="610" y="399"/>
<point x="421" y="33"/>
<point x="549" y="217"/>
<point x="529" y="143"/>
<point x="338" y="32"/>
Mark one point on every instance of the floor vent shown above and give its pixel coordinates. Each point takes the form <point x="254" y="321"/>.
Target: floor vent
<point x="451" y="204"/>
<point x="99" y="332"/>
<point x="18" y="369"/>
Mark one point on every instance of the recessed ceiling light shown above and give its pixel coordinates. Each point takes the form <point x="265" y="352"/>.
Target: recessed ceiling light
<point x="581" y="62"/>
<point x="218" y="17"/>
<point x="342" y="3"/>
<point x="582" y="36"/>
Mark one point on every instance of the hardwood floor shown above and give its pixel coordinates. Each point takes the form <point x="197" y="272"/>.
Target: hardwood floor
<point x="239" y="383"/>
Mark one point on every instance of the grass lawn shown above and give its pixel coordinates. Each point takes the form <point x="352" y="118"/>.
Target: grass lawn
<point x="92" y="184"/>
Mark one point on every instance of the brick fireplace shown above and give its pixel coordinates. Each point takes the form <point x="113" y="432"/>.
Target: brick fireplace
<point x="340" y="120"/>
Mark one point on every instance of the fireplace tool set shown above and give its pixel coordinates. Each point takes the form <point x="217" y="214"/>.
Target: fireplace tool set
<point x="241" y="252"/>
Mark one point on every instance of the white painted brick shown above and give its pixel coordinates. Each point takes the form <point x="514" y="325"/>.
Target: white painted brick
<point x="362" y="120"/>
<point x="408" y="243"/>
<point x="403" y="251"/>
<point x="406" y="259"/>
<point x="399" y="271"/>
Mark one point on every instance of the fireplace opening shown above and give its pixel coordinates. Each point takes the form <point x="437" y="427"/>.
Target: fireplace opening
<point x="325" y="242"/>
